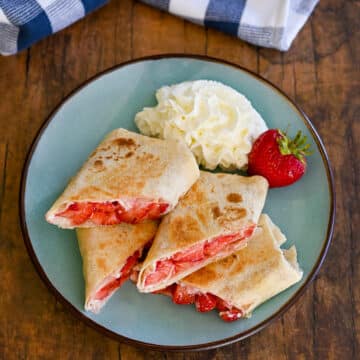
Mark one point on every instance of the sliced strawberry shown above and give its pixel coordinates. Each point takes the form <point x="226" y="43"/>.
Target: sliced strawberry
<point x="77" y="213"/>
<point x="183" y="295"/>
<point x="180" y="267"/>
<point x="222" y="305"/>
<point x="105" y="213"/>
<point x="141" y="211"/>
<point x="104" y="218"/>
<point x="156" y="210"/>
<point x="231" y="315"/>
<point x="216" y="245"/>
<point x="130" y="263"/>
<point x="154" y="278"/>
<point x="126" y="216"/>
<point x="195" y="253"/>
<point x="106" y="290"/>
<point x="111" y="213"/>
<point x="163" y="269"/>
<point x="163" y="207"/>
<point x="149" y="211"/>
<point x="247" y="232"/>
<point x="116" y="283"/>
<point x="165" y="266"/>
<point x="205" y="302"/>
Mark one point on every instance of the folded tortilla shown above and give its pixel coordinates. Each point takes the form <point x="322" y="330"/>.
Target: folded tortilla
<point x="128" y="178"/>
<point x="213" y="219"/>
<point x="109" y="253"/>
<point x="249" y="277"/>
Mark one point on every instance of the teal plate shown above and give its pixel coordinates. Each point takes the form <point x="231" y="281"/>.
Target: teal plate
<point x="304" y="211"/>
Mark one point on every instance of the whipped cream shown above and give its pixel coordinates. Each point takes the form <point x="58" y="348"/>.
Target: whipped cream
<point x="215" y="121"/>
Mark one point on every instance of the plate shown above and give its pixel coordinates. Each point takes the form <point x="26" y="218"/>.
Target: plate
<point x="304" y="211"/>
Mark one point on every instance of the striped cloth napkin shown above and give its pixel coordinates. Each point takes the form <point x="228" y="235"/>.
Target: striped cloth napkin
<point x="269" y="23"/>
<point x="24" y="22"/>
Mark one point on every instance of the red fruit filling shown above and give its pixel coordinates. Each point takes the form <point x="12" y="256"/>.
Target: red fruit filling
<point x="182" y="295"/>
<point x="111" y="213"/>
<point x="204" y="302"/>
<point x="231" y="315"/>
<point x="115" y="283"/>
<point x="195" y="255"/>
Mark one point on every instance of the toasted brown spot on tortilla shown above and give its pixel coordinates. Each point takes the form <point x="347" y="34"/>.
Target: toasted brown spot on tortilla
<point x="153" y="164"/>
<point x="99" y="166"/>
<point x="195" y="195"/>
<point x="129" y="154"/>
<point x="102" y="246"/>
<point x="185" y="230"/>
<point x="231" y="214"/>
<point x="234" y="198"/>
<point x="234" y="212"/>
<point x="202" y="216"/>
<point x="139" y="184"/>
<point x="229" y="261"/>
<point x="147" y="156"/>
<point x="100" y="262"/>
<point x="104" y="148"/>
<point x="216" y="212"/>
<point x="108" y="157"/>
<point x="124" y="142"/>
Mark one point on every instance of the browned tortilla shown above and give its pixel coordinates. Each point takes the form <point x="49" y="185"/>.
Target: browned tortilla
<point x="127" y="166"/>
<point x="252" y="275"/>
<point x="217" y="204"/>
<point x="105" y="250"/>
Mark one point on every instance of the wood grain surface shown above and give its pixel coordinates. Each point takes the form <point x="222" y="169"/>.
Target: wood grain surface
<point x="320" y="72"/>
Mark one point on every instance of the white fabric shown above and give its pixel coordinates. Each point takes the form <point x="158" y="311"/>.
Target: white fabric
<point x="194" y="10"/>
<point x="285" y="17"/>
<point x="45" y="3"/>
<point x="266" y="13"/>
<point x="295" y="22"/>
<point x="3" y="18"/>
<point x="61" y="13"/>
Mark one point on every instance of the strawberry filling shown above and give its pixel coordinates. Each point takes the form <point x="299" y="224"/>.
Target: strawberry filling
<point x="111" y="213"/>
<point x="115" y="283"/>
<point x="204" y="302"/>
<point x="195" y="255"/>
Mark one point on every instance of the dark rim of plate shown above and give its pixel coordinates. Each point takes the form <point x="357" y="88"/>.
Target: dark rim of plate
<point x="203" y="346"/>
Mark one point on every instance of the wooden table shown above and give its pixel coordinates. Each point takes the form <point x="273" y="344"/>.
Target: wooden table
<point x="319" y="73"/>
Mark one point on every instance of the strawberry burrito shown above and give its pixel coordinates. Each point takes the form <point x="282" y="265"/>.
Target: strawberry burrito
<point x="214" y="219"/>
<point x="128" y="178"/>
<point x="236" y="285"/>
<point x="109" y="254"/>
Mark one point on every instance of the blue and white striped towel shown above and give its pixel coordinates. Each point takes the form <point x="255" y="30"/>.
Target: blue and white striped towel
<point x="23" y="22"/>
<point x="269" y="23"/>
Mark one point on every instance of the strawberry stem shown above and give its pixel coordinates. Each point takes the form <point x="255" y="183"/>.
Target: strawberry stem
<point x="297" y="146"/>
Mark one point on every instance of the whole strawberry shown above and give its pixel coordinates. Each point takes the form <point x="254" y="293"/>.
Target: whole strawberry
<point x="277" y="158"/>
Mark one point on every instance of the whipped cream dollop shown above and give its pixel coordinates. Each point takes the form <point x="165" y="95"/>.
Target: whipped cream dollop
<point x="215" y="121"/>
